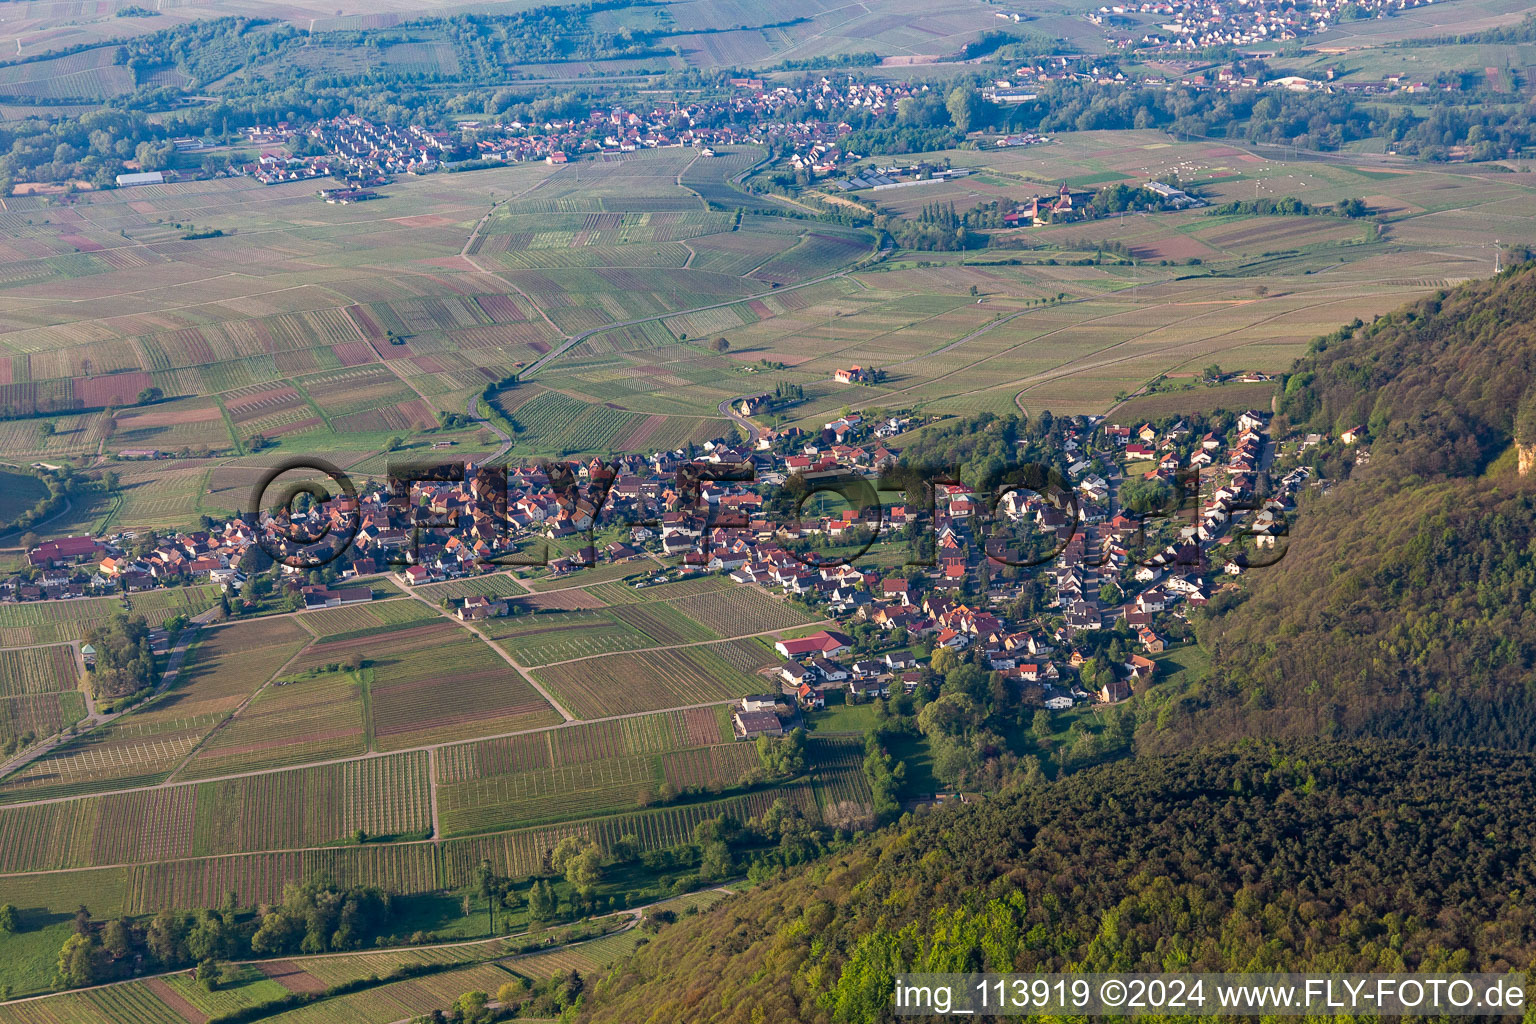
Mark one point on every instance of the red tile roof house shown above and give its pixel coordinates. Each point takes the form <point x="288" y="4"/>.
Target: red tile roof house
<point x="827" y="643"/>
<point x="63" y="551"/>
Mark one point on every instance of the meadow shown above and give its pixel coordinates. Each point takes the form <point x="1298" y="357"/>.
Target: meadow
<point x="18" y="493"/>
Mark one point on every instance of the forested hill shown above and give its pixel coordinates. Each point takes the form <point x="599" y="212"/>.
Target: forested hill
<point x="1404" y="606"/>
<point x="1343" y="856"/>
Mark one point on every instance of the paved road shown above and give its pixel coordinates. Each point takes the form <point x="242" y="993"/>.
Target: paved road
<point x="178" y="655"/>
<point x="472" y="410"/>
<point x="740" y="420"/>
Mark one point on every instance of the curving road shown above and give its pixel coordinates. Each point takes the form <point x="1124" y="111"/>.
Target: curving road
<point x="741" y="421"/>
<point x="472" y="410"/>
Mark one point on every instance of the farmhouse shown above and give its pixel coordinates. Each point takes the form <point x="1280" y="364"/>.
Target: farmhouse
<point x="828" y="643"/>
<point x="751" y="724"/>
<point x="64" y="551"/>
<point x="852" y="375"/>
<point x="478" y="606"/>
<point x="751" y="405"/>
<point x="322" y="597"/>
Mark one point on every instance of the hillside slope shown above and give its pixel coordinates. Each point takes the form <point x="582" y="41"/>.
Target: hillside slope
<point x="1404" y="607"/>
<point x="1345" y="856"/>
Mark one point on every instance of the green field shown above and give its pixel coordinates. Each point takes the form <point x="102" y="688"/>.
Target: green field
<point x="18" y="493"/>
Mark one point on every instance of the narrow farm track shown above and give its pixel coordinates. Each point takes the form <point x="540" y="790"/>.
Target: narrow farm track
<point x="522" y="671"/>
<point x="437" y="829"/>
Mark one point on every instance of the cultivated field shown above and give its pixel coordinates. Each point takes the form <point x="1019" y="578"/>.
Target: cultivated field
<point x="434" y="682"/>
<point x="645" y="681"/>
<point x="584" y="770"/>
<point x="227" y="665"/>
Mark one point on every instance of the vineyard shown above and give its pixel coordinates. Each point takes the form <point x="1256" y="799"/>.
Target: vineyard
<point x="38" y="670"/>
<point x="838" y="770"/>
<point x="331" y="623"/>
<point x="584" y="770"/>
<point x="579" y="743"/>
<point x="664" y="623"/>
<point x="464" y="762"/>
<point x="226" y="666"/>
<point x="436" y="682"/>
<point x="128" y="1004"/>
<point x="743" y="610"/>
<point x="385" y="797"/>
<point x="39" y="715"/>
<point x="585" y="577"/>
<point x="562" y="636"/>
<point x="583" y="957"/>
<point x="336" y="970"/>
<point x="260" y="877"/>
<point x="273" y="811"/>
<point x="158" y="605"/>
<point x="49" y="622"/>
<point x="551" y="794"/>
<point x="399" y="1000"/>
<point x="717" y="767"/>
<point x="307" y="720"/>
<point x="645" y="681"/>
<point x="495" y="585"/>
<point x="619" y="593"/>
<point x="747" y="655"/>
<point x="579" y="426"/>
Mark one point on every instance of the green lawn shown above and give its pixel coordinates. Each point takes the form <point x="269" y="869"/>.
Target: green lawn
<point x="1182" y="665"/>
<point x="18" y="493"/>
<point x="28" y="958"/>
<point x="840" y="717"/>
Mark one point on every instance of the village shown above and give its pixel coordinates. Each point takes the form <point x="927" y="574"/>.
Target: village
<point x="357" y="149"/>
<point x="1202" y="24"/>
<point x="806" y="125"/>
<point x="672" y="515"/>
